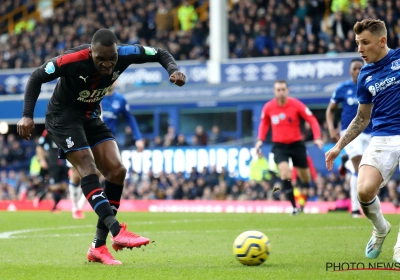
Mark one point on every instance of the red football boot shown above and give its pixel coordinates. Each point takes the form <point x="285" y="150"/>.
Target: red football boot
<point x="78" y="214"/>
<point x="101" y="255"/>
<point x="127" y="239"/>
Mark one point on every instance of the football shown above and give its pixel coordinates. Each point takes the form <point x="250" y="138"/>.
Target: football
<point x="252" y="247"/>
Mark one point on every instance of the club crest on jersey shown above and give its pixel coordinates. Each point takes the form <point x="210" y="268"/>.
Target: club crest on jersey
<point x="282" y="116"/>
<point x="50" y="68"/>
<point x="115" y="76"/>
<point x="115" y="105"/>
<point x="396" y="64"/>
<point x="372" y="90"/>
<point x="351" y="101"/>
<point x="70" y="143"/>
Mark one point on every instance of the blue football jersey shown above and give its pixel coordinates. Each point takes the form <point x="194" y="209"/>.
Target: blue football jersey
<point x="378" y="83"/>
<point x="114" y="105"/>
<point x="346" y="93"/>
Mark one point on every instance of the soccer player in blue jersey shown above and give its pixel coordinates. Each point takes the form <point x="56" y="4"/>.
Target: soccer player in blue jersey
<point x="112" y="106"/>
<point x="378" y="90"/>
<point x="346" y="93"/>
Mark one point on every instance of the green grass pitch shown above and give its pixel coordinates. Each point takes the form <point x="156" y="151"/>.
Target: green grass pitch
<point x="42" y="245"/>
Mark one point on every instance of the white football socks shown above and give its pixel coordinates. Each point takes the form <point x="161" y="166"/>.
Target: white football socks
<point x="353" y="192"/>
<point x="398" y="240"/>
<point x="372" y="210"/>
<point x="81" y="202"/>
<point x="75" y="193"/>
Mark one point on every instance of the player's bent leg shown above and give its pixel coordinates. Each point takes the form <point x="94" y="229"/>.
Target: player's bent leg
<point x="74" y="176"/>
<point x="355" y="206"/>
<point x="82" y="199"/>
<point x="396" y="254"/>
<point x="287" y="187"/>
<point x="305" y="178"/>
<point x="304" y="174"/>
<point x="369" y="181"/>
<point x="284" y="172"/>
<point x="109" y="163"/>
<point x="101" y="255"/>
<point x="113" y="198"/>
<point x="75" y="192"/>
<point x="81" y="202"/>
<point x="83" y="161"/>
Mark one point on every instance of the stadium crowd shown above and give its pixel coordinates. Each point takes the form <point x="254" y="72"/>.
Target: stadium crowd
<point x="256" y="27"/>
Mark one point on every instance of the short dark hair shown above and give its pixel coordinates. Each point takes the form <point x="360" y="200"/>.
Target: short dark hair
<point x="281" y="81"/>
<point x="357" y="60"/>
<point x="105" y="37"/>
<point x="375" y="26"/>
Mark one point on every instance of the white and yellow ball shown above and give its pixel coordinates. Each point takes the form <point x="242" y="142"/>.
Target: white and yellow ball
<point x="252" y="247"/>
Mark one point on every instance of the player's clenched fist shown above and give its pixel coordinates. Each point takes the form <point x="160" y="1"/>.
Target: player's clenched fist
<point x="25" y="127"/>
<point x="178" y="78"/>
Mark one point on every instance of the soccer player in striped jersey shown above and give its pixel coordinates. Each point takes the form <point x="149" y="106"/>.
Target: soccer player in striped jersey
<point x="72" y="120"/>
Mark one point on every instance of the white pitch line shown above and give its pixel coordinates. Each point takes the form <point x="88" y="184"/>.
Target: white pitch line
<point x="142" y="232"/>
<point x="16" y="233"/>
<point x="11" y="234"/>
<point x="57" y="235"/>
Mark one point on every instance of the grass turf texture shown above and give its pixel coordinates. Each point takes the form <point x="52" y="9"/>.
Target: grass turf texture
<point x="189" y="246"/>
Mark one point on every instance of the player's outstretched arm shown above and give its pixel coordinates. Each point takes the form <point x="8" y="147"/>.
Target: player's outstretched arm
<point x="357" y="125"/>
<point x="263" y="127"/>
<point x="133" y="125"/>
<point x="134" y="54"/>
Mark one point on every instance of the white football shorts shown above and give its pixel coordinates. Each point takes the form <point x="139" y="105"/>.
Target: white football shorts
<point x="383" y="153"/>
<point x="69" y="164"/>
<point x="358" y="145"/>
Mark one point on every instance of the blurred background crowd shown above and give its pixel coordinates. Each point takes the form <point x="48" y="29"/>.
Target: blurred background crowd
<point x="257" y="28"/>
<point x="19" y="172"/>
